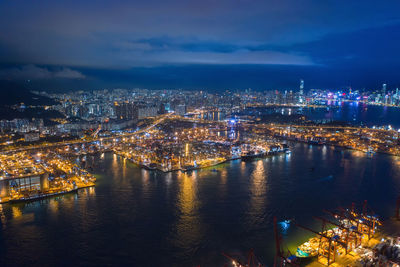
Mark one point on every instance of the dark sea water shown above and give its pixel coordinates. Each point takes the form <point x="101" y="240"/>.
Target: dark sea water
<point x="357" y="113"/>
<point x="354" y="113"/>
<point x="135" y="217"/>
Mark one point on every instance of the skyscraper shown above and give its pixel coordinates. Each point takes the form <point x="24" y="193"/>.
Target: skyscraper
<point x="383" y="93"/>
<point x="301" y="86"/>
<point x="301" y="91"/>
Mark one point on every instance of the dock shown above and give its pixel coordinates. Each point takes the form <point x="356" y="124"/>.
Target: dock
<point x="347" y="238"/>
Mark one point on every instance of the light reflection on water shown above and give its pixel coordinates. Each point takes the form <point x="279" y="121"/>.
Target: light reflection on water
<point x="258" y="195"/>
<point x="187" y="219"/>
<point x="188" y="226"/>
<point x="16" y="212"/>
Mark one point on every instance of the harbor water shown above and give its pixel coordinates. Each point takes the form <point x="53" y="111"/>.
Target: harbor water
<point x="138" y="217"/>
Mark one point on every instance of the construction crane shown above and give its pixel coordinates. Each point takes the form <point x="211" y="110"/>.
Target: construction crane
<point x="348" y="234"/>
<point x="327" y="246"/>
<point x="365" y="223"/>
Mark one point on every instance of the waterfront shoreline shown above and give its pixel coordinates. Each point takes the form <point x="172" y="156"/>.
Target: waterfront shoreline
<point x="337" y="146"/>
<point x="171" y="170"/>
<point x="43" y="196"/>
<point x="185" y="170"/>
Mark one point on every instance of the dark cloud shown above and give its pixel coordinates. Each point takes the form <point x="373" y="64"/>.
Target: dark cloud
<point x="375" y="48"/>
<point x="32" y="72"/>
<point x="222" y="77"/>
<point x="124" y="34"/>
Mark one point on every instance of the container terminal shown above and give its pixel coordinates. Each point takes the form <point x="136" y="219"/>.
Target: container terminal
<point x="347" y="237"/>
<point x="28" y="176"/>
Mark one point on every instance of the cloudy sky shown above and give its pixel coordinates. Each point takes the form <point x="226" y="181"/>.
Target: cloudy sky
<point x="200" y="44"/>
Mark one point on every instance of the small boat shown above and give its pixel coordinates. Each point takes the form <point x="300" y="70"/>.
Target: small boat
<point x="370" y="151"/>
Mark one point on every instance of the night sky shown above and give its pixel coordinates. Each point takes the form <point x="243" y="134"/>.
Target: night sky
<point x="209" y="44"/>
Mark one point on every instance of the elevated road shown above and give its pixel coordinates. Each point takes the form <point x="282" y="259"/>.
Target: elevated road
<point x="158" y="120"/>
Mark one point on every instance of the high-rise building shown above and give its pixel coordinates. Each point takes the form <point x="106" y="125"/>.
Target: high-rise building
<point x="147" y="111"/>
<point x="301" y="87"/>
<point x="301" y="91"/>
<point x="384" y="89"/>
<point x="126" y="111"/>
<point x="180" y="110"/>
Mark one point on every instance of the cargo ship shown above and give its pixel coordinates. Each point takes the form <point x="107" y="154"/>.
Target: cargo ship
<point x="42" y="196"/>
<point x="308" y="249"/>
<point x="252" y="155"/>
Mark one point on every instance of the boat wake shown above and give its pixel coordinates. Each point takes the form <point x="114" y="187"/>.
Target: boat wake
<point x="330" y="177"/>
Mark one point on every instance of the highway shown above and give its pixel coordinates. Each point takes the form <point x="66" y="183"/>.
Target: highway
<point x="158" y="120"/>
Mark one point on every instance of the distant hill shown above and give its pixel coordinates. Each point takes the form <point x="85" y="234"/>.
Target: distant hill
<point x="12" y="93"/>
<point x="8" y="113"/>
